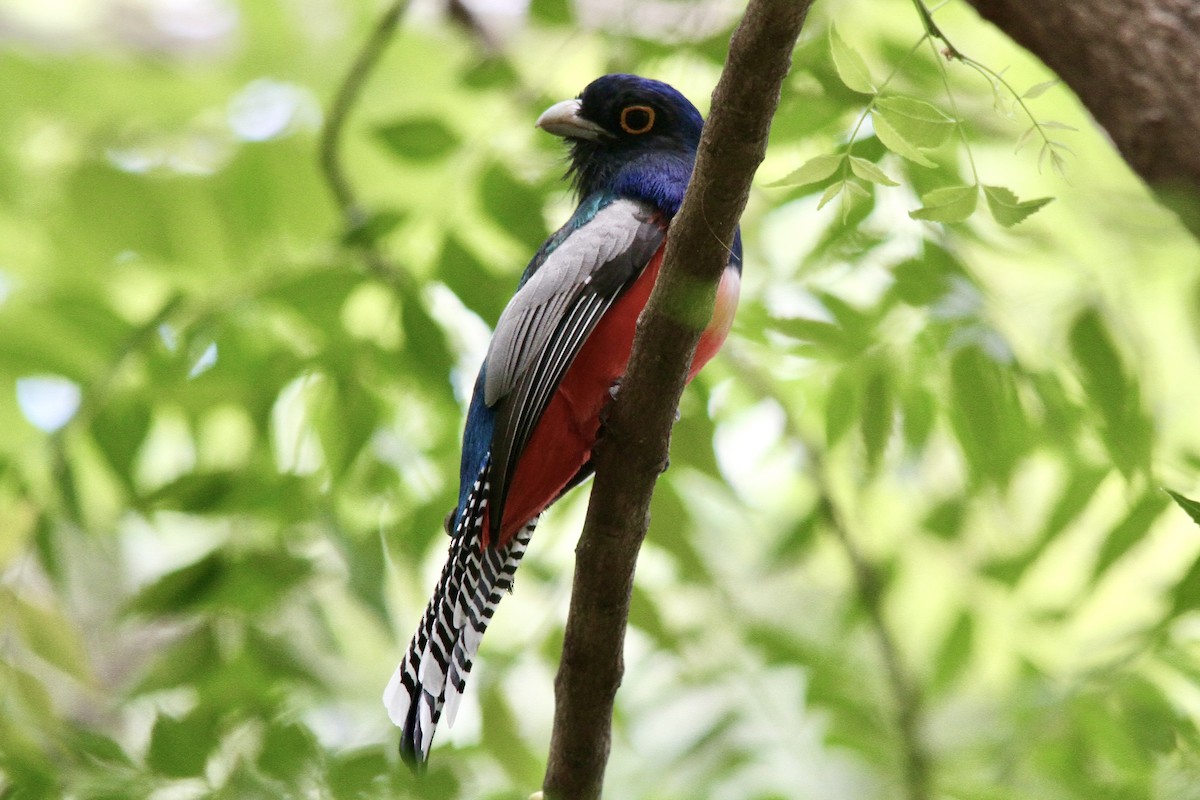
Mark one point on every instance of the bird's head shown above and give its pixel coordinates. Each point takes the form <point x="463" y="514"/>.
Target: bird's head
<point x="623" y="121"/>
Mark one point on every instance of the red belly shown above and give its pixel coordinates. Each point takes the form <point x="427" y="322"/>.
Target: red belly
<point x="563" y="439"/>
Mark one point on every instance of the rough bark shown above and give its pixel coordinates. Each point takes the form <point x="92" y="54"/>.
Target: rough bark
<point x="637" y="432"/>
<point x="1135" y="64"/>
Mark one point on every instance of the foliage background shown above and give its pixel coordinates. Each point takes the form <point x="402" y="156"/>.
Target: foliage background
<point x="229" y="429"/>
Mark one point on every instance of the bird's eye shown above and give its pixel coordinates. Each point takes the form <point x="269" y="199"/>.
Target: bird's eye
<point x="637" y="119"/>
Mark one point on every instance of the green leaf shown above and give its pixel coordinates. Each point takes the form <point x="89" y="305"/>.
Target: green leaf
<point x="876" y="416"/>
<point x="945" y="520"/>
<point x="925" y="279"/>
<point x="1126" y="430"/>
<point x="814" y="170"/>
<point x="345" y="421"/>
<point x="955" y="652"/>
<point x="916" y="121"/>
<point x="119" y="429"/>
<point x="1190" y="506"/>
<point x="869" y="171"/>
<point x="514" y="205"/>
<point x="479" y="289"/>
<point x="1007" y="209"/>
<point x="1129" y="531"/>
<point x="920" y="413"/>
<point x="46" y="633"/>
<point x="378" y="225"/>
<point x="849" y="64"/>
<point x="988" y="420"/>
<point x="179" y="748"/>
<point x="841" y="405"/>
<point x="288" y="751"/>
<point x="948" y="204"/>
<point x="893" y="140"/>
<point x="832" y="191"/>
<point x="252" y="582"/>
<point x="1185" y="596"/>
<point x="418" y="138"/>
<point x="179" y="589"/>
<point x="28" y="689"/>
<point x="187" y="661"/>
<point x="554" y="12"/>
<point x="354" y="774"/>
<point x="1038" y="89"/>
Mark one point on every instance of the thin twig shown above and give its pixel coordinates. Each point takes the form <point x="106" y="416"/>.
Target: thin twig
<point x="343" y="103"/>
<point x="473" y="24"/>
<point x="906" y="695"/>
<point x="354" y="216"/>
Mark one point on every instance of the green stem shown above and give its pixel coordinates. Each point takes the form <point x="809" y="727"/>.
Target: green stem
<point x="934" y="32"/>
<point x="958" y="125"/>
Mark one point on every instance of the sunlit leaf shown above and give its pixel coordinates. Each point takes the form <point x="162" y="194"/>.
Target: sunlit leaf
<point x="252" y="583"/>
<point x="841" y="405"/>
<point x="378" y="225"/>
<point x="926" y="278"/>
<point x="180" y="747"/>
<point x="46" y="633"/>
<point x="832" y="191"/>
<point x="1190" y="506"/>
<point x="876" y="420"/>
<point x="514" y="205"/>
<point x="814" y="170"/>
<point x="893" y="140"/>
<point x="418" y="139"/>
<point x="955" y="652"/>
<point x="915" y="120"/>
<point x="1007" y="209"/>
<point x="1038" y="89"/>
<point x="120" y="429"/>
<point x="1112" y="391"/>
<point x="950" y="204"/>
<point x="288" y="750"/>
<point x="988" y="420"/>
<point x="849" y="64"/>
<point x="946" y="518"/>
<point x="1185" y="596"/>
<point x="1129" y="531"/>
<point x="870" y="172"/>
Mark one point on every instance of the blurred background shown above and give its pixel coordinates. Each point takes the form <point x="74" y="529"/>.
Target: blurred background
<point x="229" y="422"/>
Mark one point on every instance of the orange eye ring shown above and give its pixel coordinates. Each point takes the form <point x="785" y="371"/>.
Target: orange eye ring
<point x="632" y="126"/>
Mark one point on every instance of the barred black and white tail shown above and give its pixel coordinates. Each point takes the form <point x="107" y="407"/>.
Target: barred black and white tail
<point x="433" y="673"/>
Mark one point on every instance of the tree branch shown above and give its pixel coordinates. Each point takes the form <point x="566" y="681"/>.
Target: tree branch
<point x="1135" y="64"/>
<point x="354" y="216"/>
<point x="909" y="706"/>
<point x="343" y="103"/>
<point x="634" y="448"/>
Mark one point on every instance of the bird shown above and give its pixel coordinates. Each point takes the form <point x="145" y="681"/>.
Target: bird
<point x="554" y="363"/>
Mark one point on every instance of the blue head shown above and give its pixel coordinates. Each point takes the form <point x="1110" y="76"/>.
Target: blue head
<point x="629" y="136"/>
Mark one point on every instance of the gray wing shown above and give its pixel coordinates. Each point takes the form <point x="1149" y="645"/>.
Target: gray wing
<point x="548" y="320"/>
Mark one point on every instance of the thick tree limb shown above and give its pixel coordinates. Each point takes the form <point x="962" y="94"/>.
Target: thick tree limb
<point x="637" y="433"/>
<point x="1135" y="64"/>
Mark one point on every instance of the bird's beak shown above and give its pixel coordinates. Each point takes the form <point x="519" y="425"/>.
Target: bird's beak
<point x="562" y="119"/>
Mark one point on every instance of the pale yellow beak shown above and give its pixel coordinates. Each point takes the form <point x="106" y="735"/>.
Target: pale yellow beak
<point x="562" y="119"/>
